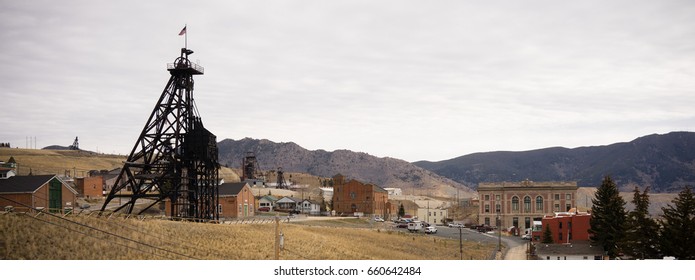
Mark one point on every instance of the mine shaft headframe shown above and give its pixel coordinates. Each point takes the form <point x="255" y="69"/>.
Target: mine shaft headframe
<point x="175" y="157"/>
<point x="184" y="66"/>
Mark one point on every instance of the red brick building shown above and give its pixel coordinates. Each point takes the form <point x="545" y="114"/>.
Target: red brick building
<point x="566" y="227"/>
<point x="355" y="197"/>
<point x="41" y="192"/>
<point x="90" y="187"/>
<point x="236" y="200"/>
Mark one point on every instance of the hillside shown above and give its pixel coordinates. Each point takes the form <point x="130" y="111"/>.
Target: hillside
<point x="91" y="238"/>
<point x="76" y="163"/>
<point x="664" y="162"/>
<point x="384" y="172"/>
<point x="40" y="162"/>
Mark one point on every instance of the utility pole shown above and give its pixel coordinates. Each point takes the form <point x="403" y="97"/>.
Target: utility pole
<point x="277" y="236"/>
<point x="461" y="243"/>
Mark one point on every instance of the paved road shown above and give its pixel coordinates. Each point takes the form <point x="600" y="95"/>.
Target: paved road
<point x="514" y="247"/>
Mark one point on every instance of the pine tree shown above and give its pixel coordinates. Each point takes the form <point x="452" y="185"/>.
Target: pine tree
<point x="678" y="226"/>
<point x="547" y="235"/>
<point x="608" y="218"/>
<point x="641" y="234"/>
<point x="401" y="211"/>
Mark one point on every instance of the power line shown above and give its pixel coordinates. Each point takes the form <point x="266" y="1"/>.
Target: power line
<point x="88" y="235"/>
<point x="100" y="230"/>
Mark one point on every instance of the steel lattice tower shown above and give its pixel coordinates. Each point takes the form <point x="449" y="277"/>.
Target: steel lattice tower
<point x="175" y="158"/>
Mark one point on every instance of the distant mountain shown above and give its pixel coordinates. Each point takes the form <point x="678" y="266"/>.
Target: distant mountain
<point x="384" y="172"/>
<point x="664" y="162"/>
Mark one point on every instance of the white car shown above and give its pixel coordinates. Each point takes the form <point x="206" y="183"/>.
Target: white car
<point x="431" y="229"/>
<point x="378" y="219"/>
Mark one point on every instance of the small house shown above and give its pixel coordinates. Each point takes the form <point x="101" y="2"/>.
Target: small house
<point x="24" y="193"/>
<point x="236" y="200"/>
<point x="268" y="202"/>
<point x="288" y="204"/>
<point x="310" y="207"/>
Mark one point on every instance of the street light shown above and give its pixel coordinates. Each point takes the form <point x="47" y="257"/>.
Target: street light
<point x="499" y="230"/>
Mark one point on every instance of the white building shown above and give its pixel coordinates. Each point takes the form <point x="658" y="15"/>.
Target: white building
<point x="573" y="251"/>
<point x="432" y="215"/>
<point x="394" y="191"/>
<point x="311" y="207"/>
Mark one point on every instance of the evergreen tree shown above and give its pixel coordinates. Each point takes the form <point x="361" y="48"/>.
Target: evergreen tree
<point x="547" y="235"/>
<point x="401" y="211"/>
<point x="641" y="233"/>
<point x="607" y="218"/>
<point x="678" y="226"/>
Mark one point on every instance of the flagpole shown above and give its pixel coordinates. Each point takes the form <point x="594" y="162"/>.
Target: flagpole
<point x="185" y="35"/>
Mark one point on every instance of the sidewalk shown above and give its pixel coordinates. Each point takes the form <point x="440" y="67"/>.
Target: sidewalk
<point x="516" y="253"/>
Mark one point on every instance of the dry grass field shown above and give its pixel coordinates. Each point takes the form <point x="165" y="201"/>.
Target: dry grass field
<point x="45" y="237"/>
<point x="43" y="162"/>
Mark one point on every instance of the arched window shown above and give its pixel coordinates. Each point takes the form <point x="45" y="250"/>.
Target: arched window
<point x="527" y="204"/>
<point x="515" y="203"/>
<point x="539" y="203"/>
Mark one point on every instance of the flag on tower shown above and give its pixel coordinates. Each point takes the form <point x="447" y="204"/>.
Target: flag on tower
<point x="183" y="31"/>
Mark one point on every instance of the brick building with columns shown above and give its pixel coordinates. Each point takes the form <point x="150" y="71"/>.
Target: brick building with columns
<point x="518" y="204"/>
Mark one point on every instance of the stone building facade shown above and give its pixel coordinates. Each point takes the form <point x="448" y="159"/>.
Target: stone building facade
<point x="518" y="204"/>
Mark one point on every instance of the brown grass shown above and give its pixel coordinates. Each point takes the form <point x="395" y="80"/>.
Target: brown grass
<point x="44" y="162"/>
<point x="23" y="237"/>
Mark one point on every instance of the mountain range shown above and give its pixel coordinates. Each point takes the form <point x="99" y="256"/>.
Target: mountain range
<point x="665" y="163"/>
<point x="384" y="172"/>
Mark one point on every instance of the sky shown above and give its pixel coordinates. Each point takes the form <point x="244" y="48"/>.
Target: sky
<point x="413" y="80"/>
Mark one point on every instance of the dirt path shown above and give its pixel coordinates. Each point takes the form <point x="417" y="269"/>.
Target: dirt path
<point x="516" y="253"/>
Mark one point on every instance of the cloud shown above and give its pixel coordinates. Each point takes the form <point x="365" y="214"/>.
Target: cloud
<point x="403" y="79"/>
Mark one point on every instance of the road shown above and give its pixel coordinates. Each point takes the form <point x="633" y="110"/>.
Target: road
<point x="514" y="248"/>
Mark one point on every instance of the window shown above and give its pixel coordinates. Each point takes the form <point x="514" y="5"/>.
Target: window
<point x="557" y="207"/>
<point x="559" y="236"/>
<point x="568" y="196"/>
<point x="498" y="208"/>
<point x="487" y="221"/>
<point x="487" y="208"/>
<point x="527" y="204"/>
<point x="429" y="213"/>
<point x="497" y="197"/>
<point x="527" y="222"/>
<point x="515" y="203"/>
<point x="560" y="225"/>
<point x="569" y="225"/>
<point x="487" y="197"/>
<point x="435" y="214"/>
<point x="568" y="206"/>
<point x="539" y="203"/>
<point x="515" y="222"/>
<point x="557" y="196"/>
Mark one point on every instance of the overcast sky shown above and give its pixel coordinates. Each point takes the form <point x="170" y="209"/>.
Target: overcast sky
<point x="414" y="80"/>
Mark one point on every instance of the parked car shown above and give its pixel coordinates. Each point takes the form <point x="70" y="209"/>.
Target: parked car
<point x="402" y="225"/>
<point x="431" y="229"/>
<point x="264" y="209"/>
<point x="455" y="225"/>
<point x="526" y="237"/>
<point x="378" y="219"/>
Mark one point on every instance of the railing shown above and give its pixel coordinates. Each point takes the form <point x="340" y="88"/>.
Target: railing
<point x="189" y="65"/>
